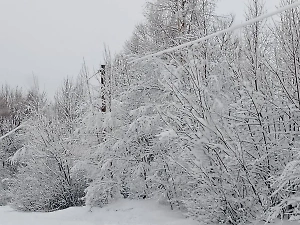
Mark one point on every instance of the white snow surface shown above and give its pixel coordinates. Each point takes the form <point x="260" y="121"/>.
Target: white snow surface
<point x="124" y="212"/>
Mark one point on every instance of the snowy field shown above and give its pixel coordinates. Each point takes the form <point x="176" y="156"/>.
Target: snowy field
<point x="123" y="212"/>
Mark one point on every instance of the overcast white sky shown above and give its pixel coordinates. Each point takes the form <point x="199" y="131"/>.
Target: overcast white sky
<point x="50" y="38"/>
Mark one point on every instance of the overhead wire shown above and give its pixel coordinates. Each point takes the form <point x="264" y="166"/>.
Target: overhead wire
<point x="230" y="29"/>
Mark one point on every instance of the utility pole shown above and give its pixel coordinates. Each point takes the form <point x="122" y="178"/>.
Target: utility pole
<point x="103" y="88"/>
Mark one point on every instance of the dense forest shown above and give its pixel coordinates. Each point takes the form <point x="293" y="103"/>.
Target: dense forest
<point x="210" y="130"/>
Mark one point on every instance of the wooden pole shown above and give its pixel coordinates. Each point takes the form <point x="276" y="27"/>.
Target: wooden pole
<point x="103" y="89"/>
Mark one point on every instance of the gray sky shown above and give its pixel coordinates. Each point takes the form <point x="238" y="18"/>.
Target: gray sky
<point x="50" y="38"/>
<point x="238" y="7"/>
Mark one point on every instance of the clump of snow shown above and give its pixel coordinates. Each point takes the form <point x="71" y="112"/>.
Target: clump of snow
<point x="123" y="212"/>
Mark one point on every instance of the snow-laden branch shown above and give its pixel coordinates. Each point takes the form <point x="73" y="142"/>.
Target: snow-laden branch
<point x="12" y="131"/>
<point x="232" y="28"/>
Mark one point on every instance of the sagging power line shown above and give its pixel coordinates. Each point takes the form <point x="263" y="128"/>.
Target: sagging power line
<point x="232" y="28"/>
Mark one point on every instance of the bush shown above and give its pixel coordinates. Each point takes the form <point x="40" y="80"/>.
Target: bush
<point x="46" y="186"/>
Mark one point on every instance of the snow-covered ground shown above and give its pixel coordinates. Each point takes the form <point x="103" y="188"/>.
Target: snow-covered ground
<point x="125" y="212"/>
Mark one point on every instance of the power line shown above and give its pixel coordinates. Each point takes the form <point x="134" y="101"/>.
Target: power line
<point x="13" y="131"/>
<point x="232" y="28"/>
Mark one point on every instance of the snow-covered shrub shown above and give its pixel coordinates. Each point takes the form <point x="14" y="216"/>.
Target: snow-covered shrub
<point x="46" y="185"/>
<point x="5" y="196"/>
<point x="44" y="181"/>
